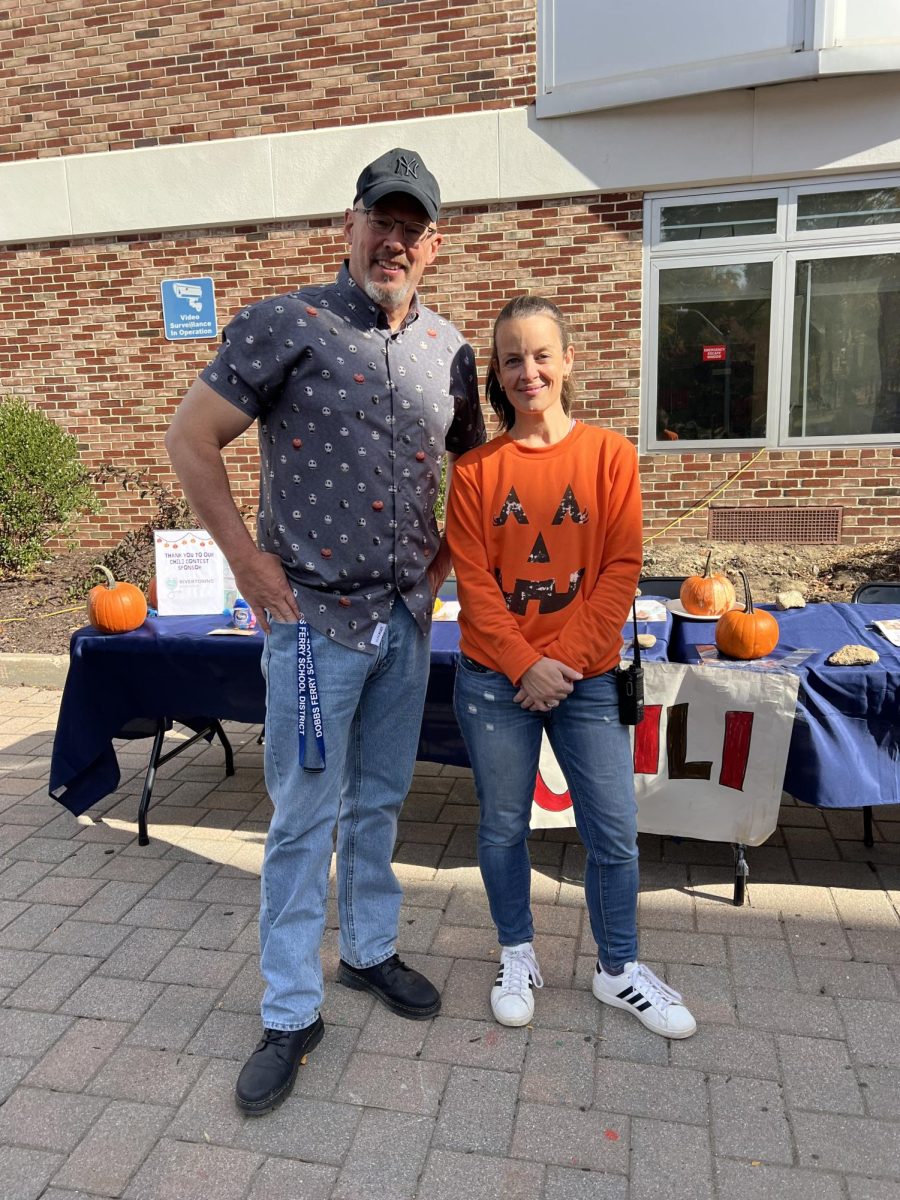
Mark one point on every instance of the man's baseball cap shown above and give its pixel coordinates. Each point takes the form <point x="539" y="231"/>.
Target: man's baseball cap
<point x="399" y="171"/>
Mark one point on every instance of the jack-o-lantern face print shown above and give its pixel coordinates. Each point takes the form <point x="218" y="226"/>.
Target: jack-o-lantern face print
<point x="545" y="591"/>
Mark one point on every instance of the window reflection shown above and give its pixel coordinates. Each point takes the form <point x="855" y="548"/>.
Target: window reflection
<point x="713" y="352"/>
<point x="846" y="210"/>
<point x="727" y="219"/>
<point x="845" y="366"/>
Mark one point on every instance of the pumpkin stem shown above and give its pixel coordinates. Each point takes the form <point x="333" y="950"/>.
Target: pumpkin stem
<point x="706" y="568"/>
<point x="748" y="605"/>
<point x="110" y="578"/>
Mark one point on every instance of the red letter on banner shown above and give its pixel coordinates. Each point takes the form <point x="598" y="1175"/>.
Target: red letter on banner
<point x="646" y="741"/>
<point x="735" y="748"/>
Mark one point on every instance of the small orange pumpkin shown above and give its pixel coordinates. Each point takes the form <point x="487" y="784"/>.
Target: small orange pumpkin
<point x="747" y="632"/>
<point x="151" y="593"/>
<point x="707" y="595"/>
<point x="114" y="607"/>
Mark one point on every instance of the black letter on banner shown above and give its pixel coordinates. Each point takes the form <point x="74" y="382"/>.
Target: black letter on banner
<point x="676" y="747"/>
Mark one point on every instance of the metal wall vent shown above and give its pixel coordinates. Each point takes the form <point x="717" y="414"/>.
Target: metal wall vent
<point x="812" y="526"/>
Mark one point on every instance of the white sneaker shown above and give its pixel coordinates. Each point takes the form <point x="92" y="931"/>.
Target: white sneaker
<point x="653" y="1003"/>
<point x="512" y="1001"/>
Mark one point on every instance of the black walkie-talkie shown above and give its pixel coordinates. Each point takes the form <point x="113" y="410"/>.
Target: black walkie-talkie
<point x="630" y="681"/>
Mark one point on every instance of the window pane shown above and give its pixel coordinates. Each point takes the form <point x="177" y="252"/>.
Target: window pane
<point x="733" y="218"/>
<point x="845" y="367"/>
<point x="843" y="210"/>
<point x="713" y="351"/>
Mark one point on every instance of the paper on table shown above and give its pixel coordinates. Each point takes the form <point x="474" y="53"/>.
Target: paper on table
<point x="650" y="610"/>
<point x="231" y="631"/>
<point x="189" y="573"/>
<point x="889" y="629"/>
<point x="778" y="660"/>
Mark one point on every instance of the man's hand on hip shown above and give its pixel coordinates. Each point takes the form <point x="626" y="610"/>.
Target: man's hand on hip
<point x="439" y="567"/>
<point x="264" y="585"/>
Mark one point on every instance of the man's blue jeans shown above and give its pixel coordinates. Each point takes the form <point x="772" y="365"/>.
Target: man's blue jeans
<point x="594" y="751"/>
<point x="371" y="713"/>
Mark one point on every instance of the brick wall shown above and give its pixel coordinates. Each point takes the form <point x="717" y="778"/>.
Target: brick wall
<point x="81" y="328"/>
<point x="864" y="482"/>
<point x="86" y="77"/>
<point x="81" y="334"/>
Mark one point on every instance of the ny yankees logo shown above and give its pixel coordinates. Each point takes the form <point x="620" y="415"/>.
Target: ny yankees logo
<point x="407" y="166"/>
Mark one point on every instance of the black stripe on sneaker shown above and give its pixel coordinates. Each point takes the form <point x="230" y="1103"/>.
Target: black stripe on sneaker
<point x="636" y="999"/>
<point x="498" y="982"/>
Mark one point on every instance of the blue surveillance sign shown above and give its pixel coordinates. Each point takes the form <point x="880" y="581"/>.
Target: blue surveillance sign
<point x="189" y="309"/>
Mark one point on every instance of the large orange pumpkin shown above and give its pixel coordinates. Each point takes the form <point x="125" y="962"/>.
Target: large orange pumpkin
<point x="114" y="607"/>
<point x="747" y="632"/>
<point x="707" y="595"/>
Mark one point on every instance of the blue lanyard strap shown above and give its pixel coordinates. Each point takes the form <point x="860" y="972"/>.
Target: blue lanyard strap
<point x="308" y="690"/>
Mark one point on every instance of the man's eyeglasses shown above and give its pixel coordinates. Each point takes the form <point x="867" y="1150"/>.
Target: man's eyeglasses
<point x="412" y="232"/>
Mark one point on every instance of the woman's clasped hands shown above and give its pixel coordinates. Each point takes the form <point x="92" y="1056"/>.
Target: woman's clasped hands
<point x="545" y="685"/>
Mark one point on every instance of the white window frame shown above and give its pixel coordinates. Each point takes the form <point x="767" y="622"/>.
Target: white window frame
<point x="830" y="252"/>
<point x="775" y="373"/>
<point x="723" y="243"/>
<point x="837" y="236"/>
<point x="783" y="248"/>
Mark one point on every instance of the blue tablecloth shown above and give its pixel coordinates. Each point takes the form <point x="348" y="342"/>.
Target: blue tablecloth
<point x="172" y="668"/>
<point x="845" y="746"/>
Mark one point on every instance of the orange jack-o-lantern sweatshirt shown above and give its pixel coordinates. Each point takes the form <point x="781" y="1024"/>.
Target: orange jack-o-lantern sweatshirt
<point x="546" y="545"/>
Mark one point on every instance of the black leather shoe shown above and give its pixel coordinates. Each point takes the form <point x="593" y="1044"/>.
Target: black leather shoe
<point x="403" y="990"/>
<point x="268" y="1075"/>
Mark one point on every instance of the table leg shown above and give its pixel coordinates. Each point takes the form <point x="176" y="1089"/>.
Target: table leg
<point x="216" y="726"/>
<point x="868" y="839"/>
<point x="143" y="839"/>
<point x="741" y="871"/>
<point x="157" y="759"/>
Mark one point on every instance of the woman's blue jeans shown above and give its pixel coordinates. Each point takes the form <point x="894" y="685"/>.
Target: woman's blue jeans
<point x="371" y="713"/>
<point x="594" y="752"/>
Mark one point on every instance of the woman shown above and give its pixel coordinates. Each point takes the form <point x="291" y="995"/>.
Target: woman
<point x="544" y="526"/>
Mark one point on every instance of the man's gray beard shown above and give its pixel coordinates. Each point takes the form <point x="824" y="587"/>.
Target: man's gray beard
<point x="387" y="298"/>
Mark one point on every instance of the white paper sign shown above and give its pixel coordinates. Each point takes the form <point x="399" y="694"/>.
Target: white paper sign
<point x="709" y="756"/>
<point x="190" y="573"/>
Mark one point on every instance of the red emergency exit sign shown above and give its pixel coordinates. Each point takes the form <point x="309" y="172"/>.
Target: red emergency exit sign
<point x="714" y="353"/>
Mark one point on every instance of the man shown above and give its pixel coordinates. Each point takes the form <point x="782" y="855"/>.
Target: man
<point x="358" y="391"/>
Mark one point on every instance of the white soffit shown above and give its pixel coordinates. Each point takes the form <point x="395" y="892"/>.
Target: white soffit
<point x="597" y="54"/>
<point x="315" y="173"/>
<point x="170" y="187"/>
<point x="33" y="200"/>
<point x="689" y="140"/>
<point x="834" y="124"/>
<point x="480" y="158"/>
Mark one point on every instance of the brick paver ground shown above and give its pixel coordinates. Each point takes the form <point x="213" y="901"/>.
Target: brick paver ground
<point x="130" y="992"/>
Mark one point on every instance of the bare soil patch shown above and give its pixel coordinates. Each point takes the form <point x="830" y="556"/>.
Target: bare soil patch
<point x="38" y="614"/>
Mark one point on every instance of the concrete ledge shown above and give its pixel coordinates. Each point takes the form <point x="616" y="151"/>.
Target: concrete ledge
<point x="788" y="130"/>
<point x="33" y="670"/>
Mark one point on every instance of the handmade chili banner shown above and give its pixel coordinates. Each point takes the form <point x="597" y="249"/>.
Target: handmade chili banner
<point x="709" y="757"/>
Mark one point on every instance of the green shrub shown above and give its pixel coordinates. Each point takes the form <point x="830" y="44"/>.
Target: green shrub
<point x="43" y="484"/>
<point x="132" y="558"/>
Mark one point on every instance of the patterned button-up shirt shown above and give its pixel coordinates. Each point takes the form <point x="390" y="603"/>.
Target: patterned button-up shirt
<point x="353" y="422"/>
